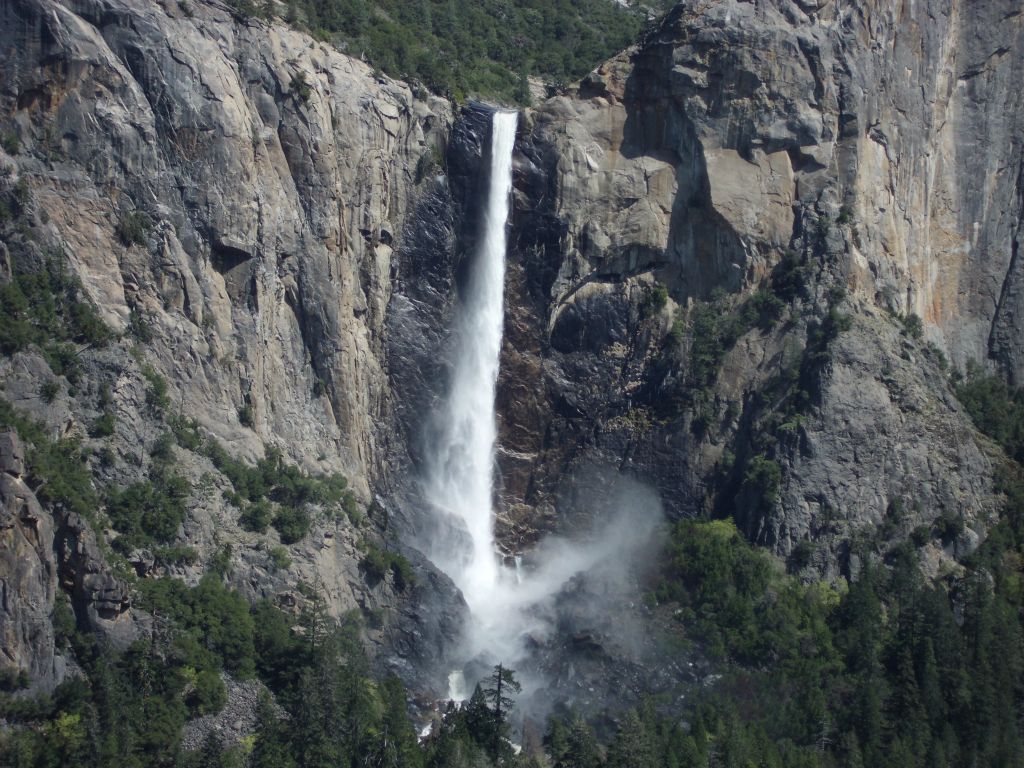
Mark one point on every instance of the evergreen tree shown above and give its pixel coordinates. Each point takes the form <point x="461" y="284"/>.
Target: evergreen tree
<point x="632" y="747"/>
<point x="501" y="686"/>
<point x="270" y="749"/>
<point x="582" y="750"/>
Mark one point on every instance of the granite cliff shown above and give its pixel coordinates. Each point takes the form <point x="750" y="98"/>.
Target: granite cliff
<point x="766" y="174"/>
<point x="745" y="252"/>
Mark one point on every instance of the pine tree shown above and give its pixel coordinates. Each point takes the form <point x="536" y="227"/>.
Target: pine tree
<point x="582" y="750"/>
<point x="632" y="746"/>
<point x="556" y="738"/>
<point x="270" y="749"/>
<point x="500" y="688"/>
<point x="478" y="718"/>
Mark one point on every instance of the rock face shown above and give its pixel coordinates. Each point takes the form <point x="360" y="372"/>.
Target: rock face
<point x="878" y="146"/>
<point x="275" y="175"/>
<point x="230" y="194"/>
<point x="714" y="238"/>
<point x="28" y="576"/>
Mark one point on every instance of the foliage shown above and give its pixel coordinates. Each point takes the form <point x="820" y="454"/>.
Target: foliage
<point x="477" y="734"/>
<point x="498" y="692"/>
<point x="103" y="426"/>
<point x="56" y="468"/>
<point x="789" y="279"/>
<point x="150" y="512"/>
<point x="279" y="558"/>
<point x="292" y="523"/>
<point x="11" y="143"/>
<point x="655" y="300"/>
<point x="996" y="408"/>
<point x="49" y="390"/>
<point x="175" y="555"/>
<point x="893" y="671"/>
<point x="299" y="87"/>
<point x="156" y="393"/>
<point x="46" y="308"/>
<point x="133" y="228"/>
<point x="377" y="562"/>
<point x="247" y="416"/>
<point x="912" y="326"/>
<point x="215" y="625"/>
<point x="761" y="482"/>
<point x="463" y="47"/>
<point x="139" y="328"/>
<point x="272" y="492"/>
<point x="256" y="517"/>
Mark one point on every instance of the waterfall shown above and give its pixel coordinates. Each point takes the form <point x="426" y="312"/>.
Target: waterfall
<point x="460" y="474"/>
<point x="512" y="608"/>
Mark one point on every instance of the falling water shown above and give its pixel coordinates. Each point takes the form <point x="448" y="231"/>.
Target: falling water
<point x="510" y="608"/>
<point x="460" y="478"/>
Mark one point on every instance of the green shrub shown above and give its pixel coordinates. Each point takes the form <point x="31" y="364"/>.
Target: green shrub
<point x="376" y="562"/>
<point x="292" y="523"/>
<point x="247" y="416"/>
<point x="299" y="87"/>
<point x="912" y="326"/>
<point x="801" y="555"/>
<point x="63" y="620"/>
<point x="133" y="228"/>
<point x="655" y="300"/>
<point x="11" y="143"/>
<point x="279" y="558"/>
<point x="220" y="563"/>
<point x="208" y="695"/>
<point x="465" y="47"/>
<point x="56" y="468"/>
<point x="720" y="581"/>
<point x="156" y="393"/>
<point x="215" y="619"/>
<point x="995" y="407"/>
<point x="921" y="535"/>
<point x="162" y="451"/>
<point x="257" y="515"/>
<point x="49" y="390"/>
<point x="761" y="482"/>
<point x="138" y="327"/>
<point x="168" y="556"/>
<point x="148" y="512"/>
<point x="948" y="527"/>
<point x="351" y="508"/>
<point x="677" y="333"/>
<point x="46" y="308"/>
<point x="763" y="309"/>
<point x="103" y="426"/>
<point x="13" y="679"/>
<point x="186" y="433"/>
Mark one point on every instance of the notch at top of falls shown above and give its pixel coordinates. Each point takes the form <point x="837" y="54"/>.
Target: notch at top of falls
<point x="460" y="473"/>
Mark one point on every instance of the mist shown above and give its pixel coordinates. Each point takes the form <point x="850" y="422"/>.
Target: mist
<point x="517" y="614"/>
<point x="565" y="586"/>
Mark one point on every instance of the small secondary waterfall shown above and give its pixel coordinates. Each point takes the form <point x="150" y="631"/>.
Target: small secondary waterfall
<point x="460" y="476"/>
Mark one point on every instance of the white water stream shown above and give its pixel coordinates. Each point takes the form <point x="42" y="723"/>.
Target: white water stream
<point x="460" y="478"/>
<point x="506" y="603"/>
